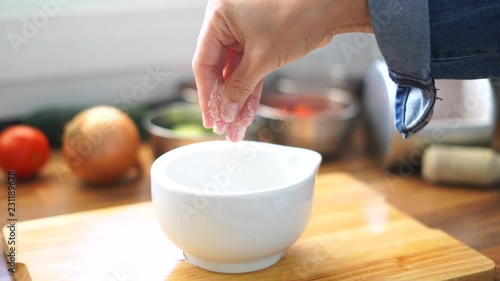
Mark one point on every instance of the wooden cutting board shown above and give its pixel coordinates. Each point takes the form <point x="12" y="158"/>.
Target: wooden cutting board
<point x="353" y="235"/>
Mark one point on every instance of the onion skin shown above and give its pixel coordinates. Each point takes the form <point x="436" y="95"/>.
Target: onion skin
<point x="100" y="144"/>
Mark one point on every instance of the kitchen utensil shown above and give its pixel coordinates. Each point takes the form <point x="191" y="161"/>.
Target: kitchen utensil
<point x="296" y="78"/>
<point x="180" y="124"/>
<point x="323" y="127"/>
<point x="248" y="202"/>
<point x="160" y="124"/>
<point x="461" y="165"/>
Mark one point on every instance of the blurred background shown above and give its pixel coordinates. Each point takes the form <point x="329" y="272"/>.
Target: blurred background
<point x="82" y="53"/>
<point x="58" y="57"/>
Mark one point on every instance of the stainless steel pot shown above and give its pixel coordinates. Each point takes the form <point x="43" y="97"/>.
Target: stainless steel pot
<point x="323" y="131"/>
<point x="465" y="115"/>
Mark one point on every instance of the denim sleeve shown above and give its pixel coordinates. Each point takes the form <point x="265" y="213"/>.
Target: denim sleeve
<point x="453" y="39"/>
<point x="465" y="38"/>
<point x="402" y="31"/>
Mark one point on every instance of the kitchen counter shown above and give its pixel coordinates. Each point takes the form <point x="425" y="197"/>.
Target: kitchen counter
<point x="472" y="215"/>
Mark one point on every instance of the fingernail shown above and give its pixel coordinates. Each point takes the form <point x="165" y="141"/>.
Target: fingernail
<point x="230" y="112"/>
<point x="205" y="124"/>
<point x="220" y="127"/>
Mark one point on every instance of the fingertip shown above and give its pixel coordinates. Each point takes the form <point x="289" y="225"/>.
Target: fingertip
<point x="241" y="134"/>
<point x="236" y="133"/>
<point x="206" y="120"/>
<point x="220" y="127"/>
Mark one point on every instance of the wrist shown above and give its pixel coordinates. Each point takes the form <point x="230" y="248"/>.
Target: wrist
<point x="348" y="16"/>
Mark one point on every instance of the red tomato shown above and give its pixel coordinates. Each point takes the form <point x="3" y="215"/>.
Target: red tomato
<point x="303" y="111"/>
<point x="23" y="149"/>
<point x="300" y="111"/>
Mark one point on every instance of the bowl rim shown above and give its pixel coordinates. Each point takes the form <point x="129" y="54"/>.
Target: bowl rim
<point x="158" y="175"/>
<point x="156" y="130"/>
<point x="333" y="94"/>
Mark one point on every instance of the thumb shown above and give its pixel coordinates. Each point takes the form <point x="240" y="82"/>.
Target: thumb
<point x="239" y="87"/>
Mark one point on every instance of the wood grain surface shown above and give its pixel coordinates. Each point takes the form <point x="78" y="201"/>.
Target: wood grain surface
<point x="469" y="214"/>
<point x="353" y="235"/>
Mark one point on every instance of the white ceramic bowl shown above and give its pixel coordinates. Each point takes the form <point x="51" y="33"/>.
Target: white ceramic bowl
<point x="234" y="207"/>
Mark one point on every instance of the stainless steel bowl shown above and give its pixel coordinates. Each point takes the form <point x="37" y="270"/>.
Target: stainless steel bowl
<point x="189" y="91"/>
<point x="324" y="131"/>
<point x="160" y="124"/>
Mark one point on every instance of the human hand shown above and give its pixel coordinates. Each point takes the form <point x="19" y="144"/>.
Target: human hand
<point x="241" y="41"/>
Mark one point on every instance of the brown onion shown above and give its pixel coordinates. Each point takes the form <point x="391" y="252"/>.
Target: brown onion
<point x="101" y="144"/>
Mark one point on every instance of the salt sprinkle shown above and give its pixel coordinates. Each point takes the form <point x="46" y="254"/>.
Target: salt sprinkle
<point x="215" y="100"/>
<point x="220" y="127"/>
<point x="235" y="131"/>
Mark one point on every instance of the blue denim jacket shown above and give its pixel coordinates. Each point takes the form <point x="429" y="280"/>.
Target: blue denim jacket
<point x="421" y="40"/>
